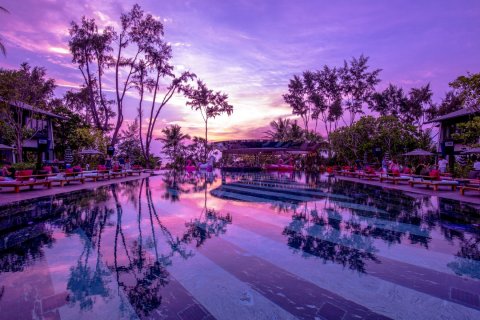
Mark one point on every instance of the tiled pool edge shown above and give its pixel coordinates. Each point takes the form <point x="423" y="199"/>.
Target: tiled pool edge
<point x="473" y="198"/>
<point x="9" y="198"/>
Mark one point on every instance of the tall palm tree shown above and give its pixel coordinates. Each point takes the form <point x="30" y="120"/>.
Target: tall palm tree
<point x="2" y="46"/>
<point x="280" y="129"/>
<point x="295" y="133"/>
<point x="172" y="139"/>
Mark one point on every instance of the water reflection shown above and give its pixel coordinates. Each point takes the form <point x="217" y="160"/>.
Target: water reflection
<point x="347" y="217"/>
<point x="110" y="250"/>
<point x="121" y="243"/>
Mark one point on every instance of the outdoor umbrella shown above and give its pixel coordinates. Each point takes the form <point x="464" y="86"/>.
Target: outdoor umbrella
<point x="419" y="152"/>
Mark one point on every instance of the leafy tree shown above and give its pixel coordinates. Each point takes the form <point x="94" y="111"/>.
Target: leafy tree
<point x="330" y="92"/>
<point x="129" y="143"/>
<point x="17" y="87"/>
<point x="468" y="88"/>
<point x="417" y="104"/>
<point x="92" y="52"/>
<point x="65" y="128"/>
<point x="351" y="142"/>
<point x="358" y="85"/>
<point x="147" y="79"/>
<point x="450" y="103"/>
<point x="388" y="102"/>
<point x="303" y="97"/>
<point x="196" y="149"/>
<point x="137" y="48"/>
<point x="210" y="104"/>
<point x="391" y="133"/>
<point x="469" y="132"/>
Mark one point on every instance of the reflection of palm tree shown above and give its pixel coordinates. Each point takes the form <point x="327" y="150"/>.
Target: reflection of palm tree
<point x="173" y="186"/>
<point x="2" y="46"/>
<point x="150" y="275"/>
<point x="210" y="223"/>
<point x="84" y="283"/>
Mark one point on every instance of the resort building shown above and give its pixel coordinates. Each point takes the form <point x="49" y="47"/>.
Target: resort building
<point x="448" y="125"/>
<point x="39" y="123"/>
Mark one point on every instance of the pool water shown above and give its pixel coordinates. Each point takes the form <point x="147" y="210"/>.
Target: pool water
<point x="239" y="246"/>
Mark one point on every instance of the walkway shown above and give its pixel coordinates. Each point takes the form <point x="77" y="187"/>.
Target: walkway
<point x="7" y="195"/>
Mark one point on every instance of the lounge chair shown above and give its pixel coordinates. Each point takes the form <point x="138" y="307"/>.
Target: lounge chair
<point x="24" y="183"/>
<point x="473" y="185"/>
<point x="96" y="175"/>
<point x="67" y="177"/>
<point x="368" y="176"/>
<point x="25" y="178"/>
<point x="394" y="179"/>
<point x="428" y="181"/>
<point x="135" y="170"/>
<point x="471" y="188"/>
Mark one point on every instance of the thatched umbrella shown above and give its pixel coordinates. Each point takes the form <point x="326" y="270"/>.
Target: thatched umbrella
<point x="419" y="152"/>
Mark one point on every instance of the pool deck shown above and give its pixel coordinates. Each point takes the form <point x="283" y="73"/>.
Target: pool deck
<point x="8" y="196"/>
<point x="472" y="197"/>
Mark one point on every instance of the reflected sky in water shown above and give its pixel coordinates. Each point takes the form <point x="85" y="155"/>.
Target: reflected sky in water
<point x="239" y="246"/>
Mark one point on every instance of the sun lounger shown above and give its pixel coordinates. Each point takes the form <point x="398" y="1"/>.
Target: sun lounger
<point x="368" y="176"/>
<point x="117" y="174"/>
<point x="471" y="188"/>
<point x="96" y="175"/>
<point x="31" y="182"/>
<point x="433" y="183"/>
<point x="394" y="179"/>
<point x="131" y="172"/>
<point x="66" y="178"/>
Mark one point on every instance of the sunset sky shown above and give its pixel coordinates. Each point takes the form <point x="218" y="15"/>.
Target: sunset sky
<point x="250" y="49"/>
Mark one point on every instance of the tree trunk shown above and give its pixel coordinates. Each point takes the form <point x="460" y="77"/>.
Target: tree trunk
<point x="206" y="139"/>
<point x="19" y="144"/>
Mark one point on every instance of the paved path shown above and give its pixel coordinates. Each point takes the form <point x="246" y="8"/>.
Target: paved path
<point x="7" y="195"/>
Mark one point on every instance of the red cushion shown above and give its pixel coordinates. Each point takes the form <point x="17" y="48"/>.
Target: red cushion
<point x="396" y="173"/>
<point x="69" y="170"/>
<point x="48" y="169"/>
<point x="434" y="174"/>
<point x="24" y="175"/>
<point x="101" y="167"/>
<point x="407" y="170"/>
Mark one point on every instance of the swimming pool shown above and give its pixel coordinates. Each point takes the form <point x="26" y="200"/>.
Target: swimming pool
<point x="239" y="246"/>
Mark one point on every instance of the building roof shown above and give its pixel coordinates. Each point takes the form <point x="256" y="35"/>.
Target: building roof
<point x="455" y="114"/>
<point x="28" y="107"/>
<point x="5" y="147"/>
<point x="267" y="146"/>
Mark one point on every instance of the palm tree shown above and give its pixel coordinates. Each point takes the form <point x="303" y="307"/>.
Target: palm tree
<point x="2" y="46"/>
<point x="295" y="133"/>
<point x="172" y="139"/>
<point x="280" y="129"/>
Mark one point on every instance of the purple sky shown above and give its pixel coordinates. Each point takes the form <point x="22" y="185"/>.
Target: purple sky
<point x="250" y="49"/>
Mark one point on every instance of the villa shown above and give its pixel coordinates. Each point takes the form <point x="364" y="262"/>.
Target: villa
<point x="41" y="142"/>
